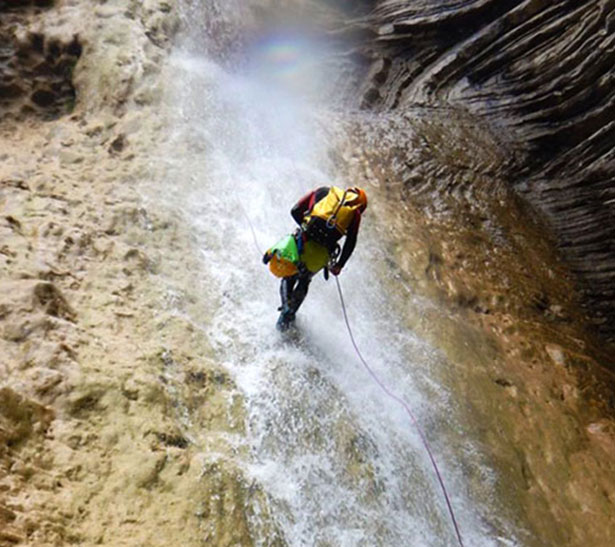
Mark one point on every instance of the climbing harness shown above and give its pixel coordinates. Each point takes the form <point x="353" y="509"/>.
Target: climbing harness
<point x="408" y="411"/>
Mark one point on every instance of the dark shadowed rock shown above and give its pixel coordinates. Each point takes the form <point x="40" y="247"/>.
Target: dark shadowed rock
<point x="35" y="72"/>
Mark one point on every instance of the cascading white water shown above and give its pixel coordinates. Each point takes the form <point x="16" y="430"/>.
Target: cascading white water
<point x="338" y="460"/>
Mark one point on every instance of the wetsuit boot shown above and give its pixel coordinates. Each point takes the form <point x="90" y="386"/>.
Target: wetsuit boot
<point x="287" y="315"/>
<point x="293" y="291"/>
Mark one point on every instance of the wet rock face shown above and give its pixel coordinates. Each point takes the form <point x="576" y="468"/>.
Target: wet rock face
<point x="86" y="413"/>
<point x="541" y="73"/>
<point x="35" y="71"/>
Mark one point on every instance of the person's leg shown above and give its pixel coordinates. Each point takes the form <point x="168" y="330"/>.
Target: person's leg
<point x="293" y="291"/>
<point x="287" y="315"/>
<point x="286" y="290"/>
<point x="299" y="292"/>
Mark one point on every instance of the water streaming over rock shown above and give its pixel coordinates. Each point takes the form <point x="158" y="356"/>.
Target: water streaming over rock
<point x="255" y="113"/>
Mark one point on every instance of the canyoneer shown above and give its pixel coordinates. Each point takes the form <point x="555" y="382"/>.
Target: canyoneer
<point x="324" y="216"/>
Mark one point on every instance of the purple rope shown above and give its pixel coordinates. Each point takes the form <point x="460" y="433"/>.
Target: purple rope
<point x="408" y="410"/>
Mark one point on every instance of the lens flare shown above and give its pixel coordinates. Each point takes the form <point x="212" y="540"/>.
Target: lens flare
<point x="291" y="61"/>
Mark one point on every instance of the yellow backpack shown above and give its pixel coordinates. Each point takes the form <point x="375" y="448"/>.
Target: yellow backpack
<point x="331" y="217"/>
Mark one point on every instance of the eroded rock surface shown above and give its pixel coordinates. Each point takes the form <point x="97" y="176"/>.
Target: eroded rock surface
<point x="109" y="405"/>
<point x="541" y="73"/>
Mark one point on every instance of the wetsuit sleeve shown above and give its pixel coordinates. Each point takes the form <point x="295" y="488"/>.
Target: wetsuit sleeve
<point x="351" y="240"/>
<point x="305" y="204"/>
<point x="301" y="208"/>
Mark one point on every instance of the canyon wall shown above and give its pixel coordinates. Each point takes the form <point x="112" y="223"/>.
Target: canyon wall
<point x="118" y="426"/>
<point x="95" y="445"/>
<point x="540" y="72"/>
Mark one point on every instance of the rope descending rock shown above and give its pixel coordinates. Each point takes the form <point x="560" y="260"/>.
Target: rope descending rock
<point x="408" y="411"/>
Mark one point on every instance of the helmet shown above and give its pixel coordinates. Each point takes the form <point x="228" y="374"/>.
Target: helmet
<point x="360" y="197"/>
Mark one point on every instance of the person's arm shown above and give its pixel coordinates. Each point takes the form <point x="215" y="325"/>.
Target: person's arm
<point x="305" y="204"/>
<point x="301" y="208"/>
<point x="349" y="244"/>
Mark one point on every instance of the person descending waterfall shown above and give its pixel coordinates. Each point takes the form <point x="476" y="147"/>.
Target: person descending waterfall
<point x="324" y="216"/>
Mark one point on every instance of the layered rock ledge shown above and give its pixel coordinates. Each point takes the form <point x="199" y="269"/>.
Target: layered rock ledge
<point x="541" y="73"/>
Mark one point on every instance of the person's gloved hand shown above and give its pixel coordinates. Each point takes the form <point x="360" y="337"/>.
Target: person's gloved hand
<point x="336" y="269"/>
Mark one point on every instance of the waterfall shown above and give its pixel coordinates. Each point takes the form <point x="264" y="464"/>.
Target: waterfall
<point x="255" y="116"/>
